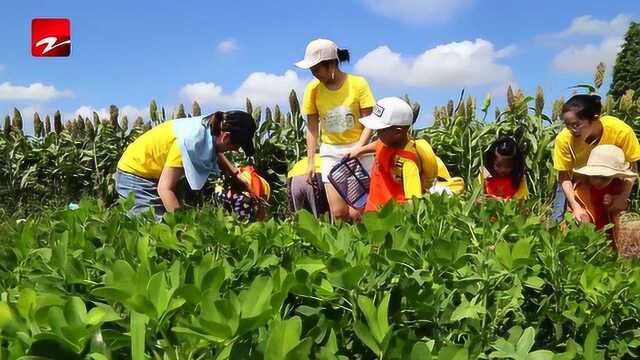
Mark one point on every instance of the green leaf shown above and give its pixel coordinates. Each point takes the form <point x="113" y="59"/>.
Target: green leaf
<point x="503" y="254"/>
<point x="383" y="315"/>
<point x="370" y="313"/>
<point x="225" y="353"/>
<point x="310" y="230"/>
<point x="141" y="304"/>
<point x="534" y="282"/>
<point x="541" y="355"/>
<point x="310" y="265"/>
<point x="138" y="327"/>
<point x="504" y="349"/>
<point x="521" y="251"/>
<point x="213" y="279"/>
<point x="467" y="310"/>
<point x="111" y="293"/>
<point x="284" y="336"/>
<point x="591" y="345"/>
<point x="207" y="337"/>
<point x="362" y="332"/>
<point x="526" y="341"/>
<point x="256" y="299"/>
<point x="95" y="316"/>
<point x="158" y="292"/>
<point x="420" y="351"/>
<point x="301" y="351"/>
<point x="75" y="312"/>
<point x="26" y="303"/>
<point x="453" y="352"/>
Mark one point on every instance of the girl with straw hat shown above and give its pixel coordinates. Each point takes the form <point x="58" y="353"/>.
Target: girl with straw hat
<point x="602" y="179"/>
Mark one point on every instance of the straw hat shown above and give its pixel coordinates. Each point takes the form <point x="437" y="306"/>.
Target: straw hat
<point x="607" y="161"/>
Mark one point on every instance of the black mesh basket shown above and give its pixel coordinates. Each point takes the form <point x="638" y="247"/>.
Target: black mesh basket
<point x="351" y="181"/>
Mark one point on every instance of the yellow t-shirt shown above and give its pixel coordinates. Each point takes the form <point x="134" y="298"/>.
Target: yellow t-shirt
<point x="300" y="168"/>
<point x="570" y="153"/>
<point x="151" y="152"/>
<point x="338" y="110"/>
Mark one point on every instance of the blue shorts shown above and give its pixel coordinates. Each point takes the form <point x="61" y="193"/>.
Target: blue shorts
<point x="145" y="192"/>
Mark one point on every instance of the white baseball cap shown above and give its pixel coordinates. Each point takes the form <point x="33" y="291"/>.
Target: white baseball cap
<point x="388" y="112"/>
<point x="318" y="51"/>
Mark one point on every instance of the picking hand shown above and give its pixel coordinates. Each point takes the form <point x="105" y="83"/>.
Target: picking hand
<point x="581" y="215"/>
<point x="311" y="175"/>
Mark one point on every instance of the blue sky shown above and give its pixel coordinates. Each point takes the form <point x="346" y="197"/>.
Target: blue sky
<point x="127" y="53"/>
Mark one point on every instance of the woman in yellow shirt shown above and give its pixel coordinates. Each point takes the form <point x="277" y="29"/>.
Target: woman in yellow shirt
<point x="152" y="165"/>
<point x="333" y="103"/>
<point x="584" y="130"/>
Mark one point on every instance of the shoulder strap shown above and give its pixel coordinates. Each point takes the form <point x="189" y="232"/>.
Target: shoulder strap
<point x="429" y="154"/>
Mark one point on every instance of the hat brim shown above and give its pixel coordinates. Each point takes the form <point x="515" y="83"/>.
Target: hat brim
<point x="374" y="123"/>
<point x="306" y="64"/>
<point x="604" y="171"/>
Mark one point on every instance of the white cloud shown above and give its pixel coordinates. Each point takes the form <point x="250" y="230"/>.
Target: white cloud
<point x="587" y="25"/>
<point x="32" y="92"/>
<point x="228" y="46"/>
<point x="466" y="63"/>
<point x="417" y="11"/>
<point x="585" y="57"/>
<point x="262" y="88"/>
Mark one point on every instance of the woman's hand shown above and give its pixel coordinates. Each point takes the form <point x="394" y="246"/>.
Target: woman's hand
<point x="581" y="215"/>
<point x="311" y="174"/>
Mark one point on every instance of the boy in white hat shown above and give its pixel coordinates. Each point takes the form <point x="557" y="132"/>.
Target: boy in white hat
<point x="403" y="168"/>
<point x="601" y="180"/>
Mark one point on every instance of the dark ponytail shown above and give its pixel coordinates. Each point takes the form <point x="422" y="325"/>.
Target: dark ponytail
<point x="508" y="147"/>
<point x="343" y="55"/>
<point x="586" y="107"/>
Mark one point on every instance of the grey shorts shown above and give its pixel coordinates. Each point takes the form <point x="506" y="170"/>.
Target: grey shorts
<point x="304" y="196"/>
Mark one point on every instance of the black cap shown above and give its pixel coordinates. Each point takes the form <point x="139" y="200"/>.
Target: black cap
<point x="242" y="127"/>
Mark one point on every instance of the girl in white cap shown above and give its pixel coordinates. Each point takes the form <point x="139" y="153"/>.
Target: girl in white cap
<point x="333" y="104"/>
<point x="602" y="179"/>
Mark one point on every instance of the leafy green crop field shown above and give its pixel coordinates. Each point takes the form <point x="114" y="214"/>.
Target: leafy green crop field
<point x="442" y="278"/>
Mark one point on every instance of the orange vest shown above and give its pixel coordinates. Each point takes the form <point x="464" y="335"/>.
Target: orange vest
<point x="599" y="214"/>
<point x="383" y="187"/>
<point x="258" y="187"/>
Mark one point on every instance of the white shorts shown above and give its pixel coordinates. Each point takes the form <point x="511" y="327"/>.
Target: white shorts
<point x="331" y="155"/>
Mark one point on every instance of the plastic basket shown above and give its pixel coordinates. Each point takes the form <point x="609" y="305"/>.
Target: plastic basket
<point x="351" y="181"/>
<point x="626" y="234"/>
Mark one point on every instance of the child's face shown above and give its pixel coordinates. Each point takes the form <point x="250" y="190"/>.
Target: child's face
<point x="503" y="166"/>
<point x="600" y="182"/>
<point x="394" y="136"/>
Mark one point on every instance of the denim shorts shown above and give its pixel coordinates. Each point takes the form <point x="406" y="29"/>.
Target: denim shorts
<point x="145" y="192"/>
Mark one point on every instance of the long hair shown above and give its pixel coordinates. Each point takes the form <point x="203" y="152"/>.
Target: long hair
<point x="508" y="147"/>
